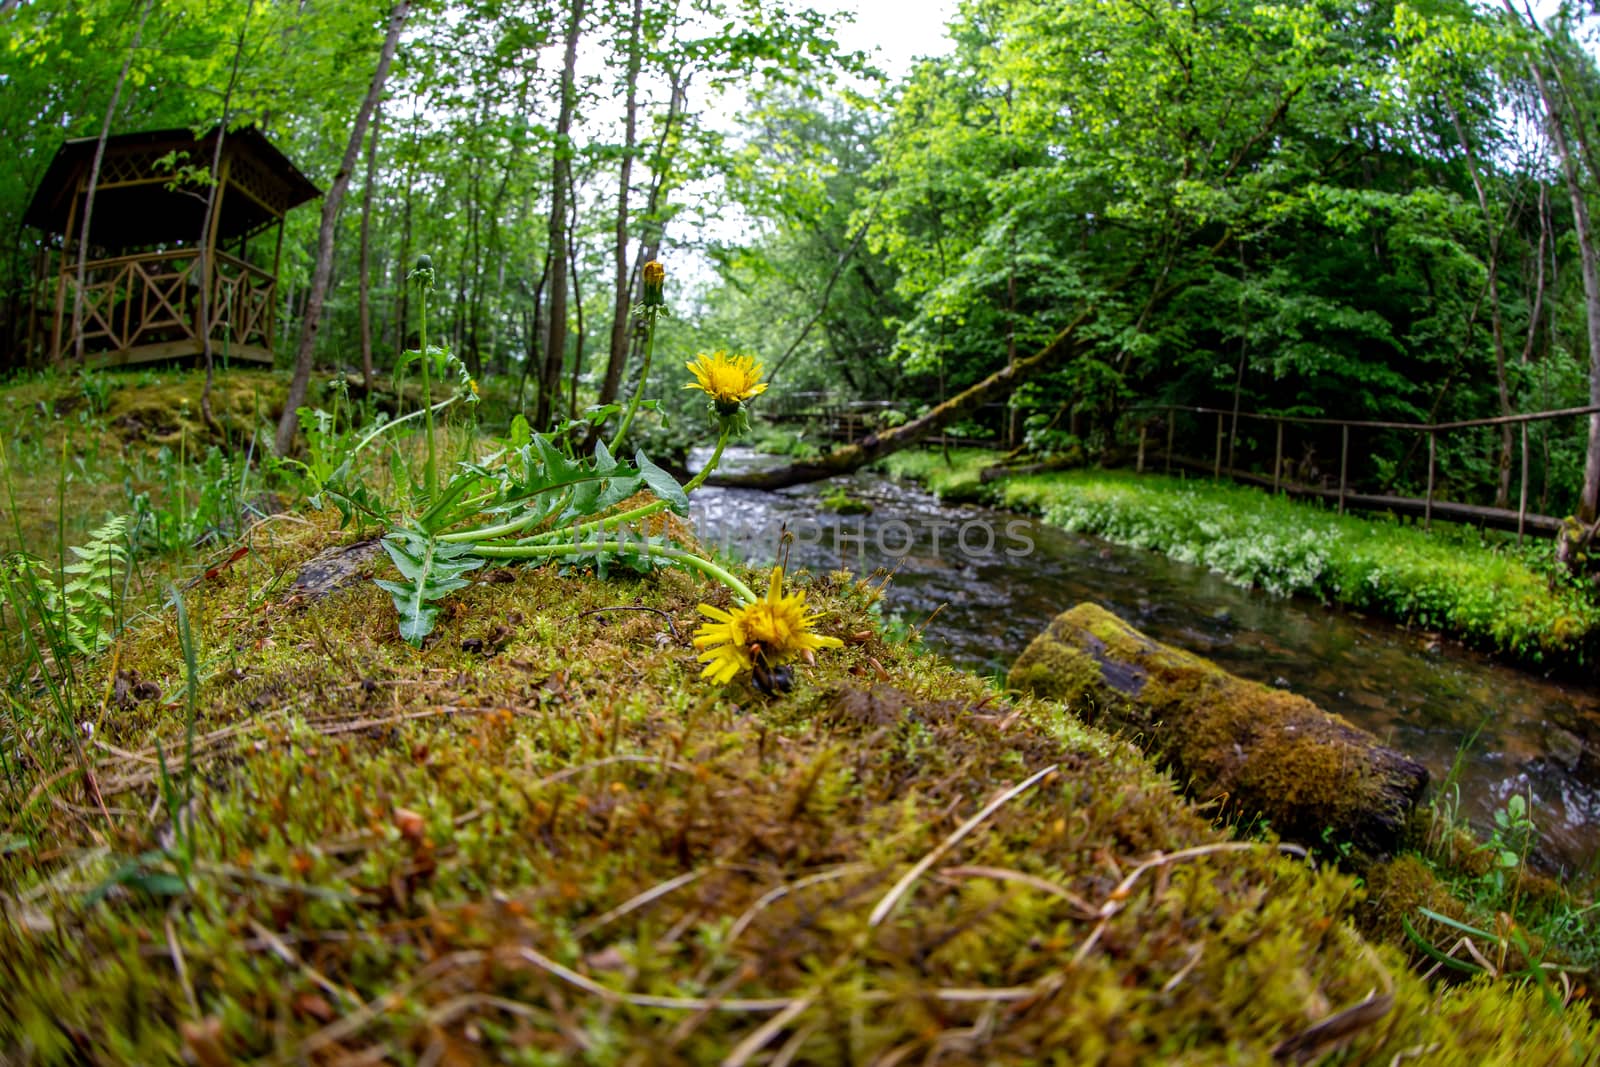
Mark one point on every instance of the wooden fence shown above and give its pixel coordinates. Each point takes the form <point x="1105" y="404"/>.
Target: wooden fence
<point x="1427" y="506"/>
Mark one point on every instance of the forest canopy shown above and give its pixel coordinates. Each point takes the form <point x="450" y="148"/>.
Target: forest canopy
<point x="1331" y="209"/>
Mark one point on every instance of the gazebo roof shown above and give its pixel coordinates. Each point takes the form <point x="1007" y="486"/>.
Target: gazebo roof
<point x="134" y="206"/>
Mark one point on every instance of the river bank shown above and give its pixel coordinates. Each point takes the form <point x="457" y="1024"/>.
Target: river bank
<point x="1486" y="593"/>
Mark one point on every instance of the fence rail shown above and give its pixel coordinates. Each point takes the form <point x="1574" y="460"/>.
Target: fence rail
<point x="1426" y="505"/>
<point x="151" y="298"/>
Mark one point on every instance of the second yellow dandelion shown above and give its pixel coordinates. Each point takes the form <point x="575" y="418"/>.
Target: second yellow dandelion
<point x="728" y="380"/>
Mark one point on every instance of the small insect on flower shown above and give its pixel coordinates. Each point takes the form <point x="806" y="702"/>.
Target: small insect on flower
<point x="760" y="637"/>
<point x="728" y="380"/>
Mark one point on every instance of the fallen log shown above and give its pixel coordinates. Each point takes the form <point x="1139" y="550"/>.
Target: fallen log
<point x="877" y="445"/>
<point x="1260" y="751"/>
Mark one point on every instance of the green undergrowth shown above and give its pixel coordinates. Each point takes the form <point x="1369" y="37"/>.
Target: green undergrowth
<point x="81" y="447"/>
<point x="1484" y="591"/>
<point x="541" y="838"/>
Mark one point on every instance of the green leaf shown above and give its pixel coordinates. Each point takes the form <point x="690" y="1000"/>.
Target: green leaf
<point x="1433" y="953"/>
<point x="432" y="569"/>
<point x="520" y="434"/>
<point x="663" y="484"/>
<point x="159" y="885"/>
<point x="1454" y="924"/>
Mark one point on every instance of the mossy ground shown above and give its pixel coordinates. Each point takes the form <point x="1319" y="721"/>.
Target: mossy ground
<point x="543" y="839"/>
<point x="1474" y="586"/>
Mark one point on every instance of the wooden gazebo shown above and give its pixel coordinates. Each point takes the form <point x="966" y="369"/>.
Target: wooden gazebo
<point x="146" y="268"/>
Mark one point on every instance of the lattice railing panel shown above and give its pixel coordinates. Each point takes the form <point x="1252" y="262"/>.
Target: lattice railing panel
<point x="133" y="301"/>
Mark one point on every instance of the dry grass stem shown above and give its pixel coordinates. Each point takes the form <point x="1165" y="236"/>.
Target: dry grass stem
<point x="892" y="898"/>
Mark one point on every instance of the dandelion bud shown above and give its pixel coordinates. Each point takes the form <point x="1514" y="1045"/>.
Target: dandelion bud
<point x="422" y="273"/>
<point x="655" y="276"/>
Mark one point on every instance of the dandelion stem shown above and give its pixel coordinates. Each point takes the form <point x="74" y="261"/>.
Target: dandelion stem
<point x="711" y="465"/>
<point x="676" y="555"/>
<point x="650" y="316"/>
<point x="392" y="423"/>
<point x="431" y="473"/>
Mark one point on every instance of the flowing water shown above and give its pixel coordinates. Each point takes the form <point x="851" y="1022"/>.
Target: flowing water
<point x="996" y="579"/>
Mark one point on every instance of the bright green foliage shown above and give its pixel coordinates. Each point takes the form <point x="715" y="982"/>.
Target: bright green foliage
<point x="89" y="598"/>
<point x="1295" y="208"/>
<point x="1489" y="596"/>
<point x="78" y="615"/>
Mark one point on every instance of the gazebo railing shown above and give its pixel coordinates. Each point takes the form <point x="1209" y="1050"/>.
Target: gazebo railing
<point x="153" y="298"/>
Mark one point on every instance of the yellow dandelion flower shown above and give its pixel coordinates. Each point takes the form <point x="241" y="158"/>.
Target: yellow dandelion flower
<point x="727" y="380"/>
<point x="754" y="637"/>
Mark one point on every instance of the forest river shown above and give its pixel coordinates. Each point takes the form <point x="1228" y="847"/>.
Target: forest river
<point x="1001" y="578"/>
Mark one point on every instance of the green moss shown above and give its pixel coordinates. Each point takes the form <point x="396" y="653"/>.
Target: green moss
<point x="1262" y="751"/>
<point x="557" y="780"/>
<point x="841" y="502"/>
<point x="409" y="855"/>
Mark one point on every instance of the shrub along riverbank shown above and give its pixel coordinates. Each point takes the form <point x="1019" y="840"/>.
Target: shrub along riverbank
<point x="1482" y="590"/>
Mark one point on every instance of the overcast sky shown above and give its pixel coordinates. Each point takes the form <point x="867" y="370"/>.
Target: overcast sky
<point x="898" y="31"/>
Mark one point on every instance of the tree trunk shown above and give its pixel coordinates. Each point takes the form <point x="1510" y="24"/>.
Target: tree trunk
<point x="535" y="333"/>
<point x="465" y="313"/>
<point x="402" y="306"/>
<point x="364" y="282"/>
<point x="621" y="303"/>
<point x="577" y="302"/>
<point x="208" y="271"/>
<point x="555" y="337"/>
<point x="330" y="217"/>
<point x="94" y="181"/>
<point x="1589" y="497"/>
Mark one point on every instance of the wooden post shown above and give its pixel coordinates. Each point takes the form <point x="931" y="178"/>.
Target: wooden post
<point x="1522" y="504"/>
<point x="1427" y="507"/>
<point x="272" y="298"/>
<point x="61" y="277"/>
<point x="1344" y="463"/>
<point x="1143" y="428"/>
<point x="1277" y="460"/>
<point x="210" y="278"/>
<point x="1170" y="414"/>
<point x="1217" y="469"/>
<point x="41" y="262"/>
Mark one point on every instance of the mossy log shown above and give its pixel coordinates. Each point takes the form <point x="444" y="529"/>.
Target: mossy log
<point x="1260" y="751"/>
